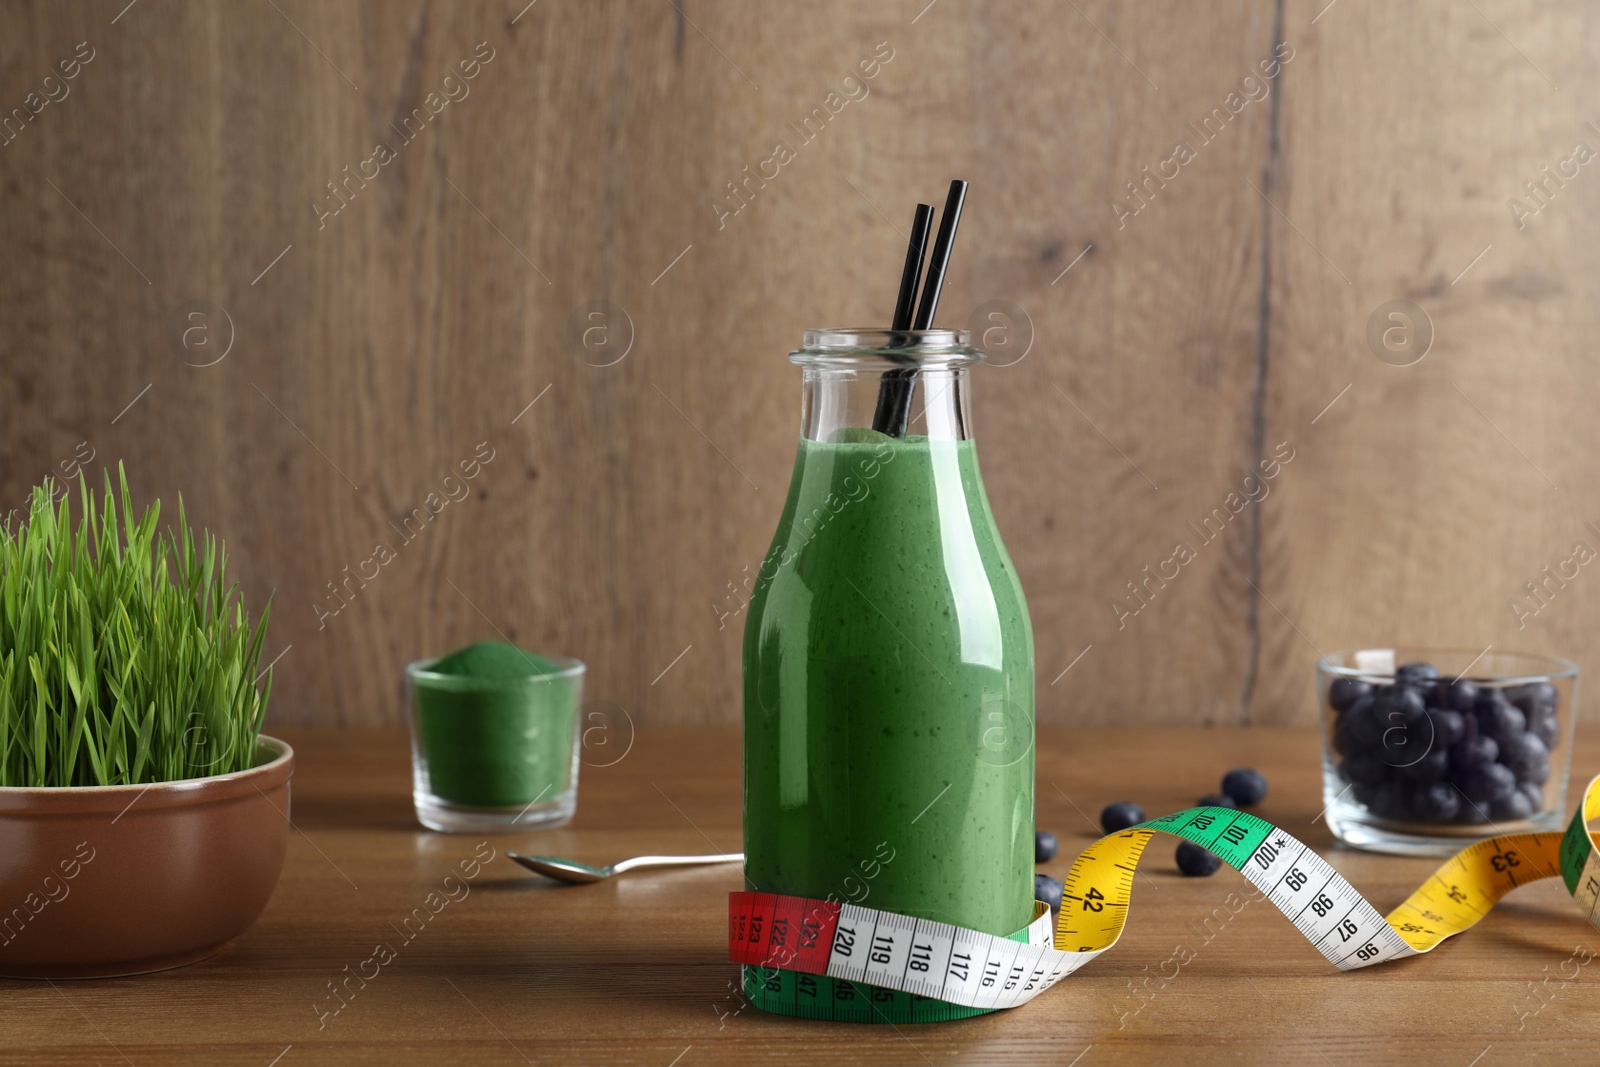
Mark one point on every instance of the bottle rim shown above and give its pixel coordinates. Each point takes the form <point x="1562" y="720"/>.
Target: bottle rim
<point x="866" y="344"/>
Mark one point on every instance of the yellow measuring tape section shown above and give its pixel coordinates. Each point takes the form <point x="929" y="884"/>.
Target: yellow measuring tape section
<point x="1470" y="883"/>
<point x="1099" y="887"/>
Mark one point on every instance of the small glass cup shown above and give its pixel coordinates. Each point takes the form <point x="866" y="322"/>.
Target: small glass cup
<point x="1422" y="764"/>
<point x="494" y="754"/>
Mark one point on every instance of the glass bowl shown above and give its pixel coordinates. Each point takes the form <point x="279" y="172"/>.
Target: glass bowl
<point x="1426" y="750"/>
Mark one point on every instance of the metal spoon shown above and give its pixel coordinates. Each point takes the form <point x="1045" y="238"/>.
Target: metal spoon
<point x="575" y="873"/>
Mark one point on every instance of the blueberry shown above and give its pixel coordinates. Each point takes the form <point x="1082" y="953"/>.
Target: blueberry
<point x="1121" y="815"/>
<point x="1527" y="757"/>
<point x="1540" y="695"/>
<point x="1366" y="725"/>
<point x="1459" y="695"/>
<point x="1346" y="691"/>
<point x="1418" y="674"/>
<point x="1364" y="792"/>
<point x="1356" y="728"/>
<point x="1049" y="890"/>
<point x="1406" y="736"/>
<point x="1343" y="742"/>
<point x="1500" y="719"/>
<point x="1535" y="795"/>
<point x="1217" y="800"/>
<point x="1430" y="768"/>
<point x="1363" y="768"/>
<point x="1488" y="783"/>
<point x="1472" y="813"/>
<point x="1513" y="807"/>
<point x="1473" y="752"/>
<point x="1448" y="727"/>
<point x="1399" y="698"/>
<point x="1436" y="802"/>
<point x="1045" y="846"/>
<point x="1197" y="862"/>
<point x="1546" y="727"/>
<point x="1391" y="800"/>
<point x="1247" y="787"/>
<point x="1535" y="773"/>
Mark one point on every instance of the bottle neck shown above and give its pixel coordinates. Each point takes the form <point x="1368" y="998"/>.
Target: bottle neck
<point x="837" y="399"/>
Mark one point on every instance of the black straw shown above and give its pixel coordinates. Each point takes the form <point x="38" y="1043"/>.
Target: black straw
<point x="894" y="392"/>
<point x="916" y="251"/>
<point x="893" y="413"/>
<point x="940" y="262"/>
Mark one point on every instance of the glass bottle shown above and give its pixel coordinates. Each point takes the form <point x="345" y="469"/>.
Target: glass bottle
<point x="888" y="654"/>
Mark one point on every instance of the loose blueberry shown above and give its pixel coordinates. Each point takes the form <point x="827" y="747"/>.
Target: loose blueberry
<point x="1488" y="783"/>
<point x="1512" y="807"/>
<point x="1430" y="768"/>
<point x="1472" y="753"/>
<point x="1049" y="890"/>
<point x="1435" y="802"/>
<point x="1121" y="815"/>
<point x="1459" y="695"/>
<point x="1197" y="862"/>
<point x="1346" y="691"/>
<point x="1418" y="674"/>
<point x="1246" y="786"/>
<point x="1217" y="800"/>
<point x="1448" y="727"/>
<point x="1045" y="846"/>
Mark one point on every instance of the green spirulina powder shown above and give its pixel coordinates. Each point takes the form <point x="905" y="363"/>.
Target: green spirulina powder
<point x="495" y="724"/>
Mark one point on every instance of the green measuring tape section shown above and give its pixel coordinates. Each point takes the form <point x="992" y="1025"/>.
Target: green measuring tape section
<point x="817" y="996"/>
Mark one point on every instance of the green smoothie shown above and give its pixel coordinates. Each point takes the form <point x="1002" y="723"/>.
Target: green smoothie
<point x="495" y="725"/>
<point x="888" y="691"/>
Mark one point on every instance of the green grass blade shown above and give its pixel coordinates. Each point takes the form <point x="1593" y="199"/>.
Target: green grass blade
<point x="125" y="656"/>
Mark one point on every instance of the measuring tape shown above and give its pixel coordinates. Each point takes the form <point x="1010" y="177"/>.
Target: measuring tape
<point x="826" y="960"/>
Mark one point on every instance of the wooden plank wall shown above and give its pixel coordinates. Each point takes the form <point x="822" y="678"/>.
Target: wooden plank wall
<point x="175" y="195"/>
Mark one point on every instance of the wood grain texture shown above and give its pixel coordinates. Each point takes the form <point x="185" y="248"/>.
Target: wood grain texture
<point x="1430" y="494"/>
<point x="385" y="327"/>
<point x="633" y="971"/>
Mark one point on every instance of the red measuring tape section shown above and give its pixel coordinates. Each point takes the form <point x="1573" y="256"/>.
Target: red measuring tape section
<point x="768" y="930"/>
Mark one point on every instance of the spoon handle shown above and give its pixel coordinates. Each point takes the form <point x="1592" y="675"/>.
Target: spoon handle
<point x="674" y="861"/>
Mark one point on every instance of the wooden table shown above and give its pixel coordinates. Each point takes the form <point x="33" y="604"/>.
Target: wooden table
<point x="515" y="970"/>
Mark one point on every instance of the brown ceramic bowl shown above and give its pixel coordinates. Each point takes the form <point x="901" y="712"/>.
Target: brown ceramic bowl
<point x="97" y="881"/>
